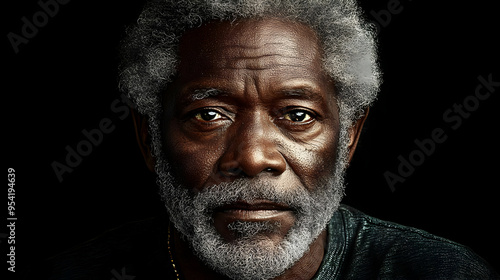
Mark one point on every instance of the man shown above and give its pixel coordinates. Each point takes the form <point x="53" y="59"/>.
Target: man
<point x="249" y="112"/>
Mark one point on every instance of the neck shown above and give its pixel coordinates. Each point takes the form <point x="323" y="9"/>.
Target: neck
<point x="191" y="267"/>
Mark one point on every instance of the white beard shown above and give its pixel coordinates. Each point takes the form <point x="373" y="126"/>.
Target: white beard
<point x="251" y="256"/>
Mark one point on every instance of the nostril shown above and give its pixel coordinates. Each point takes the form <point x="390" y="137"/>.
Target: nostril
<point x="233" y="172"/>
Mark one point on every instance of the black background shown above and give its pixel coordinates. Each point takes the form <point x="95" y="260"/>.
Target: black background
<point x="64" y="81"/>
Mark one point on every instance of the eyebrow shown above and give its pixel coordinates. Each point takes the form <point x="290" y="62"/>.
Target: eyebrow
<point x="305" y="93"/>
<point x="205" y="93"/>
<point x="202" y="93"/>
<point x="199" y="94"/>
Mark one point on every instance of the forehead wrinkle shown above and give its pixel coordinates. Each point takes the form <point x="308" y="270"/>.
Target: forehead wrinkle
<point x="262" y="61"/>
<point x="263" y="55"/>
<point x="259" y="65"/>
<point x="239" y="46"/>
<point x="262" y="68"/>
<point x="283" y="49"/>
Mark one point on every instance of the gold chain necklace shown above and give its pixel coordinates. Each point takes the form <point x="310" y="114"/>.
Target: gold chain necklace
<point x="170" y="253"/>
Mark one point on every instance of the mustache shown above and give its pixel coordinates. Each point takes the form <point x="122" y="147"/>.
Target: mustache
<point x="297" y="197"/>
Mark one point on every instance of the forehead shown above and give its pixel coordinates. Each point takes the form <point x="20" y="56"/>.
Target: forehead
<point x="273" y="50"/>
<point x="257" y="37"/>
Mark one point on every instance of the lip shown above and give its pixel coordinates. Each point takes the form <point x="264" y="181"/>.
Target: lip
<point x="257" y="210"/>
<point x="256" y="205"/>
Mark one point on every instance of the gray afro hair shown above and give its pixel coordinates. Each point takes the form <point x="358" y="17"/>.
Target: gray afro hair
<point x="149" y="52"/>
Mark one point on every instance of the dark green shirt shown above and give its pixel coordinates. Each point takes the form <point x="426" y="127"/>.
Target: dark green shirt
<point x="359" y="247"/>
<point x="363" y="247"/>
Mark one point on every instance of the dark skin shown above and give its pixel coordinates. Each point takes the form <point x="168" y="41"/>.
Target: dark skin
<point x="251" y="100"/>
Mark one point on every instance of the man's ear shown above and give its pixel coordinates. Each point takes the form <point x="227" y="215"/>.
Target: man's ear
<point x="143" y="138"/>
<point x="355" y="132"/>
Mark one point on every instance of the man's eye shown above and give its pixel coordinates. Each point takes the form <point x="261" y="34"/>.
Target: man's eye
<point x="298" y="116"/>
<point x="208" y="115"/>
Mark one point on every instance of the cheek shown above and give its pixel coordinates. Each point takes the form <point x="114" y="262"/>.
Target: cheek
<point x="192" y="162"/>
<point x="315" y="159"/>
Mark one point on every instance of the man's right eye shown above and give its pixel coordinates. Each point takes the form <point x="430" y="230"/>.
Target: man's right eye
<point x="208" y="115"/>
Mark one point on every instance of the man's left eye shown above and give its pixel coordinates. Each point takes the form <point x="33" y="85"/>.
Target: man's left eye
<point x="298" y="116"/>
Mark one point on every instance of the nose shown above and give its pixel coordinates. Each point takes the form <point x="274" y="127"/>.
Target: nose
<point x="253" y="150"/>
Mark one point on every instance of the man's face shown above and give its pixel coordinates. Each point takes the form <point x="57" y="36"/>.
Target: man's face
<point x="251" y="132"/>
